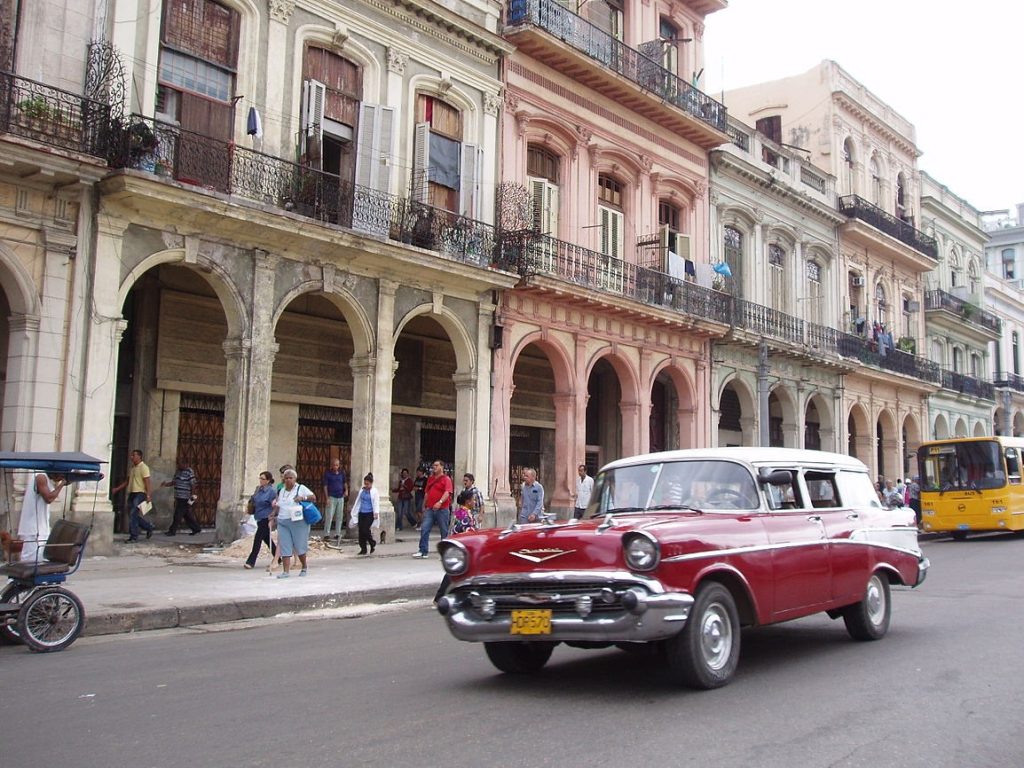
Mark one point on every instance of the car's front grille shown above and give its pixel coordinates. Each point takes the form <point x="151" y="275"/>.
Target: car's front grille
<point x="559" y="597"/>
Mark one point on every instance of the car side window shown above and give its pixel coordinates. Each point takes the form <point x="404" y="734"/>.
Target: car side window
<point x="856" y="490"/>
<point x="784" y="496"/>
<point x="822" y="491"/>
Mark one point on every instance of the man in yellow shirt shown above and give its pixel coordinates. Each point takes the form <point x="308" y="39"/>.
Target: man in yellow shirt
<point x="138" y="491"/>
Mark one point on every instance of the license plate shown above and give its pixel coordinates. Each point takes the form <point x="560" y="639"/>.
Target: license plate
<point x="531" y="621"/>
<point x="963" y="527"/>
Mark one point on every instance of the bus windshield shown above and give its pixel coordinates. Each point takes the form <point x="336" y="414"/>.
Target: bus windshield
<point x="967" y="466"/>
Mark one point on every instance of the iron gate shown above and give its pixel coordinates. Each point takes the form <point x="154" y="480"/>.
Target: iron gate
<point x="200" y="443"/>
<point x="325" y="433"/>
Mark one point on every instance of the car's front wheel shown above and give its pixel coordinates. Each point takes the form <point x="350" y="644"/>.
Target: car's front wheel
<point x="517" y="658"/>
<point x="705" y="654"/>
<point x="869" y="619"/>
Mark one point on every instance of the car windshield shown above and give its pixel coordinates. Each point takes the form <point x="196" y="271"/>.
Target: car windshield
<point x="967" y="466"/>
<point x="674" y="485"/>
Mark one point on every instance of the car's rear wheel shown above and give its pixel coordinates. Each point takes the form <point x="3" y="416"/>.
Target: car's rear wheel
<point x="705" y="654"/>
<point x="519" y="658"/>
<point x="869" y="619"/>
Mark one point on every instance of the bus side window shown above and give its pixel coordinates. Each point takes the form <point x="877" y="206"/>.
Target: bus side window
<point x="1012" y="466"/>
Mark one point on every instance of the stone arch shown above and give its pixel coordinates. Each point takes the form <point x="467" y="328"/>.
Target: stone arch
<point x="859" y="434"/>
<point x="462" y="342"/>
<point x="979" y="429"/>
<point x="552" y="134"/>
<point x="363" y="336"/>
<point x="629" y="380"/>
<point x="940" y="428"/>
<point x="960" y="428"/>
<point x="18" y="285"/>
<point x="826" y="421"/>
<point x="744" y="394"/>
<point x="557" y="356"/>
<point x="215" y="274"/>
<point x="887" y="448"/>
<point x="454" y="95"/>
<point x="352" y="50"/>
<point x="618" y="164"/>
<point x="788" y="414"/>
<point x="685" y="399"/>
<point x="911" y="439"/>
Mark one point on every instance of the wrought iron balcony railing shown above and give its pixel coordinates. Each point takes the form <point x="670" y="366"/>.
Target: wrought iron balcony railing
<point x="1009" y="380"/>
<point x="532" y="254"/>
<point x="52" y="116"/>
<point x="968" y="385"/>
<point x="858" y="208"/>
<point x="645" y="71"/>
<point x="972" y="313"/>
<point x="191" y="158"/>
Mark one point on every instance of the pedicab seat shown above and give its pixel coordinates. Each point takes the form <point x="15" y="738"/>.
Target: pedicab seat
<point x="61" y="555"/>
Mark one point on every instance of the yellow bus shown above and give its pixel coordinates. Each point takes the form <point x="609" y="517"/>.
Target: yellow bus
<point x="971" y="484"/>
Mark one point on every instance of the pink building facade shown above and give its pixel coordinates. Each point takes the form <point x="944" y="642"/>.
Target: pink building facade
<point x="602" y="348"/>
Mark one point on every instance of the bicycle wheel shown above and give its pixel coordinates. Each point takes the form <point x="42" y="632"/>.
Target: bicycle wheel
<point x="13" y="593"/>
<point x="50" y="620"/>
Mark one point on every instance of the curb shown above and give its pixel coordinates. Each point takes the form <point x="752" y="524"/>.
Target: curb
<point x="112" y="623"/>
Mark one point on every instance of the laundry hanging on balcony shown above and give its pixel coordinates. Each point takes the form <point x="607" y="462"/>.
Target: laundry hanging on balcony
<point x="722" y="268"/>
<point x="254" y="125"/>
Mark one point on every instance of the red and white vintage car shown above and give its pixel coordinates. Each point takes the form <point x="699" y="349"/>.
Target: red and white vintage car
<point x="680" y="550"/>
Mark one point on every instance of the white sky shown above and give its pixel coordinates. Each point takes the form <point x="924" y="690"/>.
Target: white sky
<point x="955" y="72"/>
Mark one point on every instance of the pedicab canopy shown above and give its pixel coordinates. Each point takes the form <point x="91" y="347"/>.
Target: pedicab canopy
<point x="75" y="466"/>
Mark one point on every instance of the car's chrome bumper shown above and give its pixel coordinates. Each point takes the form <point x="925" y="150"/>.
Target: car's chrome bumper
<point x="636" y="614"/>
<point x="923" y="564"/>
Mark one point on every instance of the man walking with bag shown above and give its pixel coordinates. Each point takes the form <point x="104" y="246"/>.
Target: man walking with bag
<point x="184" y="482"/>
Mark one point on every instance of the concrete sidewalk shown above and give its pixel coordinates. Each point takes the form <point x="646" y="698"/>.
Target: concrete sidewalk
<point x="167" y="582"/>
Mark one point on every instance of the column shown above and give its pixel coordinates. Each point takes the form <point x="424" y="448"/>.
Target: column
<point x="19" y="387"/>
<point x="237" y="354"/>
<point x="465" y="421"/>
<point x="96" y="389"/>
<point x="489" y="144"/>
<point x="393" y="98"/>
<point x="568" y="453"/>
<point x="276" y="100"/>
<point x="255" y="457"/>
<point x="478" y="462"/>
<point x="500" y="411"/>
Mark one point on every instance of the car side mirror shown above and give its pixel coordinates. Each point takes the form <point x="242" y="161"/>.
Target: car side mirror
<point x="775" y="477"/>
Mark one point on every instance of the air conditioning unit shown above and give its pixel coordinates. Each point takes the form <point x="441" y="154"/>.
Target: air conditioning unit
<point x="858" y="282"/>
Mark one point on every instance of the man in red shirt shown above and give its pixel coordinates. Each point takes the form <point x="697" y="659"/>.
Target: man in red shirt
<point x="436" y="503"/>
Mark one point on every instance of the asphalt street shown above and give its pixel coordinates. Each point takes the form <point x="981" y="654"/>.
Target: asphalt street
<point x="392" y="688"/>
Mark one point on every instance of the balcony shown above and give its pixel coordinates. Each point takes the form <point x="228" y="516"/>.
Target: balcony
<point x="552" y="34"/>
<point x="968" y="385"/>
<point x="1006" y="380"/>
<point x="937" y="300"/>
<point x="532" y="254"/>
<point x="52" y="116"/>
<point x="543" y="255"/>
<point x="220" y="166"/>
<point x="857" y="207"/>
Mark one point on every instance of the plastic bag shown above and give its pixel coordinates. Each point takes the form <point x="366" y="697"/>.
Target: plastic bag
<point x="248" y="525"/>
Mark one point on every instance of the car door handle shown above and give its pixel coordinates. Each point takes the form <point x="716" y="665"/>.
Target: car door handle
<point x="814" y="518"/>
<point x="853" y="516"/>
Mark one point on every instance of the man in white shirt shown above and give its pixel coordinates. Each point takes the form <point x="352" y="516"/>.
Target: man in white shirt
<point x="584" y="488"/>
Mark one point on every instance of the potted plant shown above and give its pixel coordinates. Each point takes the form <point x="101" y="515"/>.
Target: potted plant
<point x="907" y="344"/>
<point x="142" y="143"/>
<point x="35" y="109"/>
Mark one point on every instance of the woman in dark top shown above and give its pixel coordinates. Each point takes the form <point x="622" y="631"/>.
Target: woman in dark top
<point x="262" y="500"/>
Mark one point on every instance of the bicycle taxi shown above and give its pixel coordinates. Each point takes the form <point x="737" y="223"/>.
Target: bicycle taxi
<point x="35" y="608"/>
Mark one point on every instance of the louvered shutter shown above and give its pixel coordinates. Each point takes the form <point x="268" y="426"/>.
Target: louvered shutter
<point x="366" y="140"/>
<point x="468" y="182"/>
<point x="384" y="150"/>
<point x="421" y="162"/>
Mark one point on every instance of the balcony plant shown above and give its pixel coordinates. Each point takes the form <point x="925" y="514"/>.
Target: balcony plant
<point x="907" y="344"/>
<point x="968" y="310"/>
<point x="35" y="109"/>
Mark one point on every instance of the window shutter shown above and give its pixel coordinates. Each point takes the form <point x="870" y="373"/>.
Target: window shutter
<point x="468" y="180"/>
<point x="385" y="149"/>
<point x="314" y="94"/>
<point x="682" y="248"/>
<point x="537" y="194"/>
<point x="421" y="162"/>
<point x="365" y="142"/>
<point x="611" y="232"/>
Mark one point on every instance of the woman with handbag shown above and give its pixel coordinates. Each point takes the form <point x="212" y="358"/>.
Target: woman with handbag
<point x="292" y="528"/>
<point x="261" y="504"/>
<point x="366" y="513"/>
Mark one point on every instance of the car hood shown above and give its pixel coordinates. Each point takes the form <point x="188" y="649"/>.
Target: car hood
<point x="559" y="546"/>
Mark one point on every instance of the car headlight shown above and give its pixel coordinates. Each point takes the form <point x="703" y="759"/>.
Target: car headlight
<point x="454" y="558"/>
<point x="641" y="551"/>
